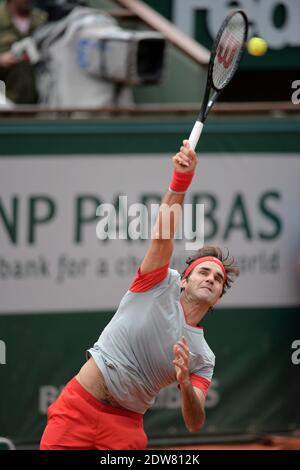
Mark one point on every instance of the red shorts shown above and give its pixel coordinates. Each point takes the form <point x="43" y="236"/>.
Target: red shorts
<point x="77" y="420"/>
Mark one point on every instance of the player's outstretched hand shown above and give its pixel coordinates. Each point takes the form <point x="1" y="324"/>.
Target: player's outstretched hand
<point x="185" y="160"/>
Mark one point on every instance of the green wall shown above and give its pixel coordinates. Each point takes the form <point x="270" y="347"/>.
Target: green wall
<point x="256" y="387"/>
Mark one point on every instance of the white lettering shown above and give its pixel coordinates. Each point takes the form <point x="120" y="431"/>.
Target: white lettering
<point x="260" y="13"/>
<point x="296" y="354"/>
<point x="199" y="229"/>
<point x="134" y="222"/>
<point x="296" y="94"/>
<point x="47" y="395"/>
<point x="2" y="93"/>
<point x="107" y="226"/>
<point x="138" y="227"/>
<point x="2" y="352"/>
<point x="112" y="460"/>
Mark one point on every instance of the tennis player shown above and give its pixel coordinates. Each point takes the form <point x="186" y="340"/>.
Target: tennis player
<point x="152" y="341"/>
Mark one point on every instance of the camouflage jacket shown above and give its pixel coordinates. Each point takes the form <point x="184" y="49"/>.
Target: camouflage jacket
<point x="19" y="79"/>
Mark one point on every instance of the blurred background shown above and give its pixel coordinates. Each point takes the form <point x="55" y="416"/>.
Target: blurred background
<point x="96" y="96"/>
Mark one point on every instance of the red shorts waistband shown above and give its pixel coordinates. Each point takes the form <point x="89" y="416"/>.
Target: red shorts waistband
<point x="76" y="387"/>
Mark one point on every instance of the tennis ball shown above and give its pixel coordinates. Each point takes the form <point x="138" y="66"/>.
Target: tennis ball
<point x="257" y="46"/>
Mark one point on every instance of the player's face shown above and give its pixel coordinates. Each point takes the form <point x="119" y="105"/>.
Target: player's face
<point x="205" y="283"/>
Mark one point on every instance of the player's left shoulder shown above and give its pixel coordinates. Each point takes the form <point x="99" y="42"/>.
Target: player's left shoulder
<point x="208" y="353"/>
<point x="170" y="283"/>
<point x="174" y="275"/>
<point x="200" y="352"/>
<point x="173" y="290"/>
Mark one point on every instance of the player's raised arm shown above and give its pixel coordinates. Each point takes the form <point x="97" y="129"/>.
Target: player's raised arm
<point x="161" y="247"/>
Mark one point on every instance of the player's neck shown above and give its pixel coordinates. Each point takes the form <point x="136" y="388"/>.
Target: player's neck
<point x="194" y="311"/>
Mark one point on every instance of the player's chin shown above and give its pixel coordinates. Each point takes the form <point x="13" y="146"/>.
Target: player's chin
<point x="206" y="290"/>
<point x="208" y="296"/>
<point x="205" y="294"/>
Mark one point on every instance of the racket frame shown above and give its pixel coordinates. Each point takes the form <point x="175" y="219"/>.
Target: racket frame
<point x="209" y="99"/>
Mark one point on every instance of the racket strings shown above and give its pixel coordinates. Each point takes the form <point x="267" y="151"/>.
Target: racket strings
<point x="228" y="51"/>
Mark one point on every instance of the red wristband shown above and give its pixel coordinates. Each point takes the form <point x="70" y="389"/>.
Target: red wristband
<point x="181" y="181"/>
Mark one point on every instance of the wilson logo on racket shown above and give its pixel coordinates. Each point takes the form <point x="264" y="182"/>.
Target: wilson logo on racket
<point x="227" y="50"/>
<point x="226" y="54"/>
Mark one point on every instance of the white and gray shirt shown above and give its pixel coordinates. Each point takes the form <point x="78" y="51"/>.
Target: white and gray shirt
<point x="135" y="350"/>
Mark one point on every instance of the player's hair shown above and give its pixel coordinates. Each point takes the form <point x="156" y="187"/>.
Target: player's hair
<point x="232" y="270"/>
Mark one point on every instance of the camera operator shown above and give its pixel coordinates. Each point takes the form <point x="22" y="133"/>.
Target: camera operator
<point x="58" y="9"/>
<point x="18" y="20"/>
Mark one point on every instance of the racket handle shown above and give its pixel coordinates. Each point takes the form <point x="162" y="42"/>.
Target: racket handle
<point x="195" y="134"/>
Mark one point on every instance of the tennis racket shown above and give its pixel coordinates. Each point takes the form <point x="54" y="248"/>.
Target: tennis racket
<point x="226" y="55"/>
